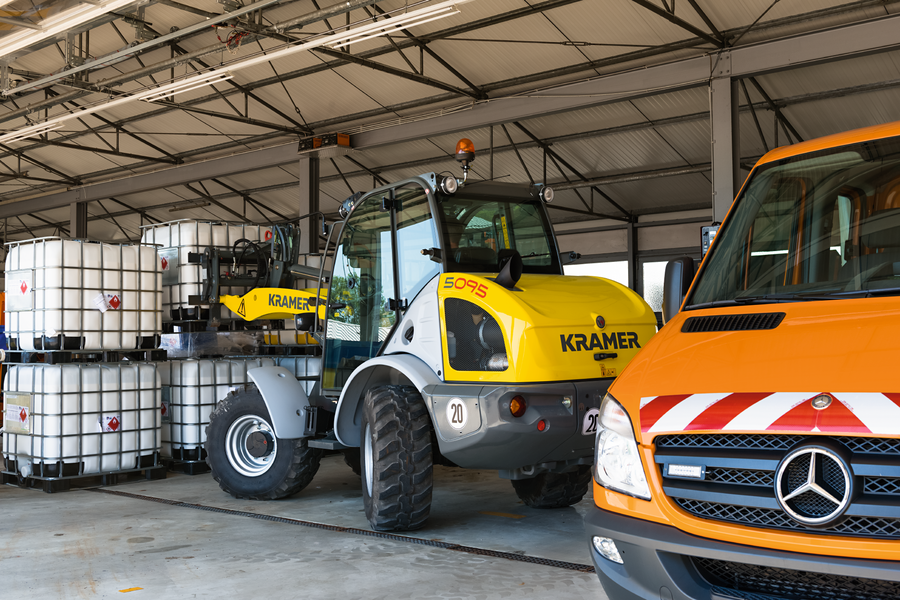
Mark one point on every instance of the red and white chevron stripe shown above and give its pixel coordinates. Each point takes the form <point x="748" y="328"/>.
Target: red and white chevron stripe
<point x="789" y="412"/>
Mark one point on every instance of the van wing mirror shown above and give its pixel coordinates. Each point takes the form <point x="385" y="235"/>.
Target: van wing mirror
<point x="679" y="274"/>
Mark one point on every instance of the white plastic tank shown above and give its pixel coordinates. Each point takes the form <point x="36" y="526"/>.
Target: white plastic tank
<point x="176" y="239"/>
<point x="304" y="368"/>
<point x="79" y="419"/>
<point x="191" y="390"/>
<point x="82" y="295"/>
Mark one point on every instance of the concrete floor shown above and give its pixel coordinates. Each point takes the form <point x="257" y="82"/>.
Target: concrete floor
<point x="85" y="544"/>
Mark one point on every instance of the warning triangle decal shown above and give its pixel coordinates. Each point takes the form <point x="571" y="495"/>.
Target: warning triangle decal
<point x="241" y="310"/>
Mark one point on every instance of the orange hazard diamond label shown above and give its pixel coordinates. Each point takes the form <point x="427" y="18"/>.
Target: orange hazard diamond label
<point x="165" y="263"/>
<point x="114" y="423"/>
<point x="23" y="415"/>
<point x="24" y="287"/>
<point x="114" y="302"/>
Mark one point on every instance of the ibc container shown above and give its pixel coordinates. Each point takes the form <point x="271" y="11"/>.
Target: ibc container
<point x="82" y="295"/>
<point x="181" y="279"/>
<point x="288" y="336"/>
<point x="191" y="390"/>
<point x="304" y="368"/>
<point x="79" y="419"/>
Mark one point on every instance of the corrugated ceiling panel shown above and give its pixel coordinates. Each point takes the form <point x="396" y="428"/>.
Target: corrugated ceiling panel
<point x="731" y="15"/>
<point x="633" y="150"/>
<point x="674" y="104"/>
<point x="509" y="60"/>
<point x="663" y="194"/>
<point x="826" y="117"/>
<point x="591" y="119"/>
<point x="691" y="140"/>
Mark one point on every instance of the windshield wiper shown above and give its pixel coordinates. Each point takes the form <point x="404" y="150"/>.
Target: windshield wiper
<point x="766" y="299"/>
<point x="868" y="293"/>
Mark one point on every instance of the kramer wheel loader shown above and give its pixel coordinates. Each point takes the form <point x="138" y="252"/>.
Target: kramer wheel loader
<point x="448" y="334"/>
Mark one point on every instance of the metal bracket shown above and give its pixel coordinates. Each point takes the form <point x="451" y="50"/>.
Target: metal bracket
<point x="401" y="304"/>
<point x="720" y="64"/>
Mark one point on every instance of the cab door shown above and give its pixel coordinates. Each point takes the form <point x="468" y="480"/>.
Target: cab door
<point x="378" y="270"/>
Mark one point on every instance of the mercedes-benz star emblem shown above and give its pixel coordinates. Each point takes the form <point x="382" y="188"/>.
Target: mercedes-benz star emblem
<point x="821" y="402"/>
<point x="601" y="322"/>
<point x="813" y="485"/>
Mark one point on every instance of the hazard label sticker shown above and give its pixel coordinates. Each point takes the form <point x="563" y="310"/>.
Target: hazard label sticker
<point x="242" y="310"/>
<point x="17" y="414"/>
<point x="164" y="409"/>
<point x="168" y="265"/>
<point x="105" y="302"/>
<point x="20" y="293"/>
<point x="110" y="423"/>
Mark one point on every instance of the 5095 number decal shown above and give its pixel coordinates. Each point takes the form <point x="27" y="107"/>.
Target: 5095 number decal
<point x="461" y="283"/>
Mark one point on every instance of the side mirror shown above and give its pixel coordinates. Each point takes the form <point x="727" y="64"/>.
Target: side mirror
<point x="679" y="274"/>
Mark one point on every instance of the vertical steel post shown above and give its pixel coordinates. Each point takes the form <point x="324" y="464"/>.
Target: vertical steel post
<point x="725" y="141"/>
<point x="78" y="222"/>
<point x="631" y="242"/>
<point x="309" y="203"/>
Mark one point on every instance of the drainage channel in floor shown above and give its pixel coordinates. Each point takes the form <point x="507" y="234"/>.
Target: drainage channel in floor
<point x="535" y="560"/>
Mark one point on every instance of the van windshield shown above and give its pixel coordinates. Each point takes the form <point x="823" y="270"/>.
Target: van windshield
<point x="818" y="226"/>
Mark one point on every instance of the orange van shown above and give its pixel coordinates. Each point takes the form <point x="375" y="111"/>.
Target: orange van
<point x="752" y="448"/>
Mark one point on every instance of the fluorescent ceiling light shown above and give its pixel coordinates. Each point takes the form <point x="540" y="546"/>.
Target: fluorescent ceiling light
<point x="50" y="28"/>
<point x="225" y="72"/>
<point x="39" y="129"/>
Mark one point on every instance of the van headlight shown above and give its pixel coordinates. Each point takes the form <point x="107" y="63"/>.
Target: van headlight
<point x="617" y="462"/>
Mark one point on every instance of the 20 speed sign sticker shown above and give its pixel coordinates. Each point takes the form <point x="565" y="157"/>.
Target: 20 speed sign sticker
<point x="457" y="414"/>
<point x="589" y="424"/>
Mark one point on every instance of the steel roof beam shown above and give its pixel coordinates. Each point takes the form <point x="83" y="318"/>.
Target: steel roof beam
<point x="350" y="58"/>
<point x="168" y="161"/>
<point x="671" y="18"/>
<point x="778" y="55"/>
<point x="813" y="48"/>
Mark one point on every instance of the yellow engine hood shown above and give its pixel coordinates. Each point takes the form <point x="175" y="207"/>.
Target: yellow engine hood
<point x="550" y="326"/>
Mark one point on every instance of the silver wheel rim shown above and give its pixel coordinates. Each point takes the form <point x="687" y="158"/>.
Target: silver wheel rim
<point x="369" y="465"/>
<point x="236" y="446"/>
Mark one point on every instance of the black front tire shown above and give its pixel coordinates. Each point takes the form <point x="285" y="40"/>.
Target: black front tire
<point x="395" y="443"/>
<point x="242" y="418"/>
<point x="554" y="490"/>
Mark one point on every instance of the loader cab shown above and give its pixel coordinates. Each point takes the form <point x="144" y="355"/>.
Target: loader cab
<point x="396" y="239"/>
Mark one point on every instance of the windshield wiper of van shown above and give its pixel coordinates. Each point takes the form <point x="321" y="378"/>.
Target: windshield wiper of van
<point x="870" y="293"/>
<point x="766" y="299"/>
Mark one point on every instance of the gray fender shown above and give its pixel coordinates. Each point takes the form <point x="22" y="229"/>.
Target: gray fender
<point x="403" y="369"/>
<point x="286" y="401"/>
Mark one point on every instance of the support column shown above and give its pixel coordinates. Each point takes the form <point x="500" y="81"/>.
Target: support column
<point x="78" y="222"/>
<point x="724" y="103"/>
<point x="309" y="203"/>
<point x="631" y="243"/>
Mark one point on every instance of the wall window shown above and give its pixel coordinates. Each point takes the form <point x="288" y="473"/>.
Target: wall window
<point x="653" y="275"/>
<point x="615" y="270"/>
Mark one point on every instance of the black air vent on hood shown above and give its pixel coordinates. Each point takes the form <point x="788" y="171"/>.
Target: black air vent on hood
<point x="747" y="322"/>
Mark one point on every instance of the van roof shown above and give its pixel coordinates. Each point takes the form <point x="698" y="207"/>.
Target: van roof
<point x="854" y="136"/>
